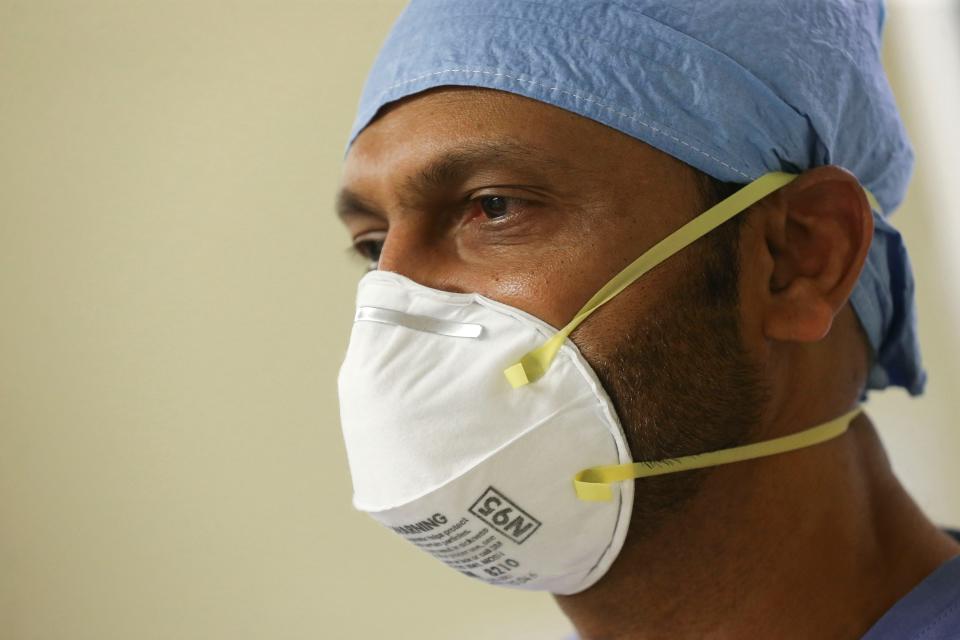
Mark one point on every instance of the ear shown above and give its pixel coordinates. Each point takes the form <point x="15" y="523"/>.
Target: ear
<point x="818" y="233"/>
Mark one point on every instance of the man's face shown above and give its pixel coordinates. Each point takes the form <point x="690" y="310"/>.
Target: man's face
<point x="484" y="191"/>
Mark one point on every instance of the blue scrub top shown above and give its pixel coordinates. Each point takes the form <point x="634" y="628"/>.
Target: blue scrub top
<point x="930" y="612"/>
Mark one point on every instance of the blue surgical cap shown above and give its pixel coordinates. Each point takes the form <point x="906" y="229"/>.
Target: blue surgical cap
<point x="735" y="88"/>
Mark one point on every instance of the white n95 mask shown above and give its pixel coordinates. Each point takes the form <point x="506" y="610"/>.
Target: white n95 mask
<point x="446" y="453"/>
<point x="481" y="434"/>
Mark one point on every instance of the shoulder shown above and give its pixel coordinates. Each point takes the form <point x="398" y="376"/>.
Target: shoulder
<point x="931" y="611"/>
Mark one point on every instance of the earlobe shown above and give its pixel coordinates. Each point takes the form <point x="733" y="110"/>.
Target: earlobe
<point x="817" y="234"/>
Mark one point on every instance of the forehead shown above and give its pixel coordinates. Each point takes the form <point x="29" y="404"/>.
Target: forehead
<point x="440" y="120"/>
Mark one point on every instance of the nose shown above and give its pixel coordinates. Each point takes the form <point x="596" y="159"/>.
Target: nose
<point x="411" y="250"/>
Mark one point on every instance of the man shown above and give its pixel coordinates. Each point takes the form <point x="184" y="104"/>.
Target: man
<point x="520" y="167"/>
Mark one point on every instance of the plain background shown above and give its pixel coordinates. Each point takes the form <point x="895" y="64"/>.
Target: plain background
<point x="175" y="299"/>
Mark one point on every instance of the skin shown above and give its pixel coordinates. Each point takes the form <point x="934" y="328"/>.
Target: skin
<point x="814" y="543"/>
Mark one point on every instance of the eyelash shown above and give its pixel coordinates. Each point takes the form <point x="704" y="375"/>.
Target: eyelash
<point x="370" y="249"/>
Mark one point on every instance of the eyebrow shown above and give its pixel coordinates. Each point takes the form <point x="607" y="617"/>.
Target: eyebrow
<point x="453" y="167"/>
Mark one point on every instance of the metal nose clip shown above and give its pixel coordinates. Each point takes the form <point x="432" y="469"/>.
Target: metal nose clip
<point x="419" y="323"/>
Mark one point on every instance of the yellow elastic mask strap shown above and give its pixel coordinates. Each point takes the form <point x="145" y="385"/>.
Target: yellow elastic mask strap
<point x="535" y="363"/>
<point x="594" y="483"/>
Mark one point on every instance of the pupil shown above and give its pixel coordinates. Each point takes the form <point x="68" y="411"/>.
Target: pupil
<point x="371" y="250"/>
<point x="376" y="248"/>
<point x="494" y="206"/>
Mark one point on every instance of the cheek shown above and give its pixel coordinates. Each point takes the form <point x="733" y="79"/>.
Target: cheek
<point x="553" y="284"/>
<point x="550" y="288"/>
<point x="621" y="320"/>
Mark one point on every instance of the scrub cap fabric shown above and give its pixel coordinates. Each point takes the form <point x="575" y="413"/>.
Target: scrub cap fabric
<point x="735" y="88"/>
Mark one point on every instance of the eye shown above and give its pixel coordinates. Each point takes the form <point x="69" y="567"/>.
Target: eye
<point x="370" y="247"/>
<point x="494" y="207"/>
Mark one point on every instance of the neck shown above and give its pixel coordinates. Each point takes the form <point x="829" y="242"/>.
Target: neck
<point x="801" y="545"/>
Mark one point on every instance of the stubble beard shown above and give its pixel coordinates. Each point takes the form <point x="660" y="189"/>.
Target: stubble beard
<point x="682" y="383"/>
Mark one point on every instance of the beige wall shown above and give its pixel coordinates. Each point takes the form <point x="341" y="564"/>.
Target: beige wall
<point x="922" y="55"/>
<point x="175" y="298"/>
